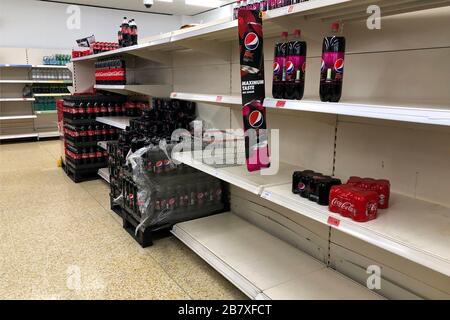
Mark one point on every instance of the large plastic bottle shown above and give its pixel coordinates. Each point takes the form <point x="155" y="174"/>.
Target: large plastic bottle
<point x="332" y="70"/>
<point x="295" y="67"/>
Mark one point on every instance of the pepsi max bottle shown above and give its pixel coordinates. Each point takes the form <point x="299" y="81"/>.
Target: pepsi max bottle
<point x="295" y="68"/>
<point x="332" y="70"/>
<point x="279" y="67"/>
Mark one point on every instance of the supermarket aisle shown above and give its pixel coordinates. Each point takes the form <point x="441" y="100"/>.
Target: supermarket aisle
<point x="59" y="240"/>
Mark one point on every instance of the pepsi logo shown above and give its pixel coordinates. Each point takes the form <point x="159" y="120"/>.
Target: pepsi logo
<point x="290" y="68"/>
<point x="256" y="119"/>
<point x="301" y="186"/>
<point x="339" y="65"/>
<point x="159" y="164"/>
<point x="276" y="68"/>
<point x="251" y="41"/>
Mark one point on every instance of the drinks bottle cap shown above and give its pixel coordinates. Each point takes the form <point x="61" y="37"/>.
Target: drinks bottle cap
<point x="284" y="34"/>
<point x="335" y="26"/>
<point x="297" y="32"/>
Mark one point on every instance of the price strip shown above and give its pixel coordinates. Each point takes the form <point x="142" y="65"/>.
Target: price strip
<point x="332" y="221"/>
<point x="281" y="104"/>
<point x="219" y="99"/>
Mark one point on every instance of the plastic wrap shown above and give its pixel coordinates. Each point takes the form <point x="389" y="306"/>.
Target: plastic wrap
<point x="158" y="193"/>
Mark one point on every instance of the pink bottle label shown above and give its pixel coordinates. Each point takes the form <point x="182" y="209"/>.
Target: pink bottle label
<point x="295" y="68"/>
<point x="332" y="66"/>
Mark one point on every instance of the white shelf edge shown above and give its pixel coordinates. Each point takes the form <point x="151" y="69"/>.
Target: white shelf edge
<point x="17" y="117"/>
<point x="49" y="134"/>
<point x="423" y="115"/>
<point x="359" y="230"/>
<point x="117" y="122"/>
<point x="36" y="81"/>
<point x="292" y="266"/>
<point x="18" y="136"/>
<point x="103" y="172"/>
<point x="51" y="94"/>
<point x="46" y="112"/>
<point x="197" y="97"/>
<point x="43" y="66"/>
<point x="142" y="89"/>
<point x="17" y="99"/>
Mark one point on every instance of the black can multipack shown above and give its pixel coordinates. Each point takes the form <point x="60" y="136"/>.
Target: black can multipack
<point x="313" y="186"/>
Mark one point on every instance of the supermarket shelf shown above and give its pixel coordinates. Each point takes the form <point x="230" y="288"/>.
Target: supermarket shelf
<point x="156" y="47"/>
<point x="219" y="99"/>
<point x="150" y="90"/>
<point x="50" y="134"/>
<point x="411" y="228"/>
<point x="117" y="122"/>
<point x="18" y="136"/>
<point x="104" y="173"/>
<point x="36" y="81"/>
<point x="417" y="114"/>
<point x="261" y="265"/>
<point x="43" y="66"/>
<point x="51" y="94"/>
<point x="18" y="117"/>
<point x="17" y="99"/>
<point x="46" y="112"/>
<point x="254" y="182"/>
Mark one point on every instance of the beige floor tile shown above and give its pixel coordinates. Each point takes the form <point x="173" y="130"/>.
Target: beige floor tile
<point x="60" y="240"/>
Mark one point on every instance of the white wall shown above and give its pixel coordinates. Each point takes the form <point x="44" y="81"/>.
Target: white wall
<point x="216" y="14"/>
<point x="36" y="24"/>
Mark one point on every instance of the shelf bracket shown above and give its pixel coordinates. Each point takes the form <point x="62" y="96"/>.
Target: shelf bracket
<point x="217" y="50"/>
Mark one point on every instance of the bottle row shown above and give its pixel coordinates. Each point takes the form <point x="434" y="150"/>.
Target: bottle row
<point x="44" y="104"/>
<point x="50" y="74"/>
<point x="289" y="67"/>
<point x="86" y="156"/>
<point x="92" y="133"/>
<point x="262" y="5"/>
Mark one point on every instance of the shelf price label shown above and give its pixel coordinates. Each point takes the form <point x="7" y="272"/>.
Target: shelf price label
<point x="219" y="99"/>
<point x="332" y="221"/>
<point x="291" y="9"/>
<point x="267" y="195"/>
<point x="174" y="95"/>
<point x="280" y="103"/>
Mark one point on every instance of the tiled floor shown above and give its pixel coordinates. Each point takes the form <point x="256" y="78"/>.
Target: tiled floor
<point x="59" y="240"/>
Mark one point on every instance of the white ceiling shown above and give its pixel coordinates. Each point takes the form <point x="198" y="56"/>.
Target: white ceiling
<point x="177" y="7"/>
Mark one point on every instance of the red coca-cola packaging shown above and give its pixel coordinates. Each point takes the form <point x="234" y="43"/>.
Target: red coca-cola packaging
<point x="381" y="186"/>
<point x="355" y="203"/>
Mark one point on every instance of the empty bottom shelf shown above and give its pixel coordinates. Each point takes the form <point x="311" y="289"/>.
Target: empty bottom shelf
<point x="261" y="265"/>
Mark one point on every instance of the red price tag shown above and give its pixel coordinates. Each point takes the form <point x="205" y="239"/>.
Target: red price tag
<point x="219" y="99"/>
<point x="334" y="222"/>
<point x="174" y="95"/>
<point x="291" y="9"/>
<point x="280" y="104"/>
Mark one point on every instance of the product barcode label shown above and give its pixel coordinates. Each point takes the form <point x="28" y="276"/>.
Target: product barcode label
<point x="332" y="221"/>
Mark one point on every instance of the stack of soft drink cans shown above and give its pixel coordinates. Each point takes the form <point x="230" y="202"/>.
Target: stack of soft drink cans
<point x="110" y="71"/>
<point x="358" y="199"/>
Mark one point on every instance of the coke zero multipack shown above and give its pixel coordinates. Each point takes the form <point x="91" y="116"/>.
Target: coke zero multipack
<point x="313" y="186"/>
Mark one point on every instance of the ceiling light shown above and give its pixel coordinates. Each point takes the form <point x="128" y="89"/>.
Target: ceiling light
<point x="204" y="3"/>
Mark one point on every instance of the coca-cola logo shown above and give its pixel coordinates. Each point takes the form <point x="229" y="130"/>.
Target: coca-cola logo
<point x="371" y="209"/>
<point x="344" y="205"/>
<point x="171" y="201"/>
<point x="200" y="195"/>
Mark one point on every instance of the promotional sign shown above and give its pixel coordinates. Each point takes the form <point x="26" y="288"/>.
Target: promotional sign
<point x="253" y="89"/>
